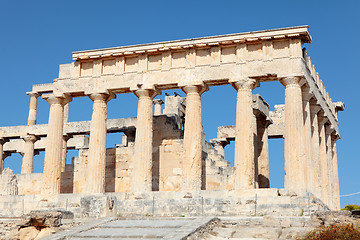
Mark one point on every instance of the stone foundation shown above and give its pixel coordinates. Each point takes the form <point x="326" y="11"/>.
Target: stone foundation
<point x="202" y="203"/>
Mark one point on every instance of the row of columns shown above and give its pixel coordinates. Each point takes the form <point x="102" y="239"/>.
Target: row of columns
<point x="310" y="147"/>
<point x="310" y="155"/>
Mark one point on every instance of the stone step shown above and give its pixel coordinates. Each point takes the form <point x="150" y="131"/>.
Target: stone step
<point x="127" y="232"/>
<point x="146" y="228"/>
<point x="266" y="227"/>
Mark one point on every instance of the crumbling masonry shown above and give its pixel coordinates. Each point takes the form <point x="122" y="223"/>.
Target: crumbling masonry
<point x="163" y="154"/>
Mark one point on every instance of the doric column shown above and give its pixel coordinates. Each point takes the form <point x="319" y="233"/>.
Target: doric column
<point x="263" y="153"/>
<point x="323" y="158"/>
<point x="307" y="162"/>
<point x="142" y="171"/>
<point x="157" y="106"/>
<point x="331" y="196"/>
<point x="219" y="145"/>
<point x="65" y="138"/>
<point x="32" y="108"/>
<point x="53" y="150"/>
<point x="192" y="138"/>
<point x="244" y="160"/>
<point x="64" y="152"/>
<point x="314" y="109"/>
<point x="97" y="145"/>
<point x="294" y="134"/>
<point x="2" y="142"/>
<point x="336" y="173"/>
<point x="28" y="158"/>
<point x="256" y="149"/>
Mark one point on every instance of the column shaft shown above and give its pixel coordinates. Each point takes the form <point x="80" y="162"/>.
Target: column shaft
<point x="294" y="135"/>
<point x="244" y="160"/>
<point x="330" y="173"/>
<point x="2" y="142"/>
<point x="53" y="150"/>
<point x="157" y="106"/>
<point x="142" y="171"/>
<point x="28" y="159"/>
<point x="323" y="161"/>
<point x="192" y="162"/>
<point x="65" y="139"/>
<point x="263" y="158"/>
<point x="308" y="163"/>
<point x="33" y="108"/>
<point x="256" y="150"/>
<point x="335" y="176"/>
<point x="314" y="109"/>
<point x="97" y="145"/>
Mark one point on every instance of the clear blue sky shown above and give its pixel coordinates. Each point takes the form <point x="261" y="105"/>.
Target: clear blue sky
<point x="37" y="36"/>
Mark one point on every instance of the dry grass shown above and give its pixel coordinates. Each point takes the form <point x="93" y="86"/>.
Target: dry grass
<point x="334" y="232"/>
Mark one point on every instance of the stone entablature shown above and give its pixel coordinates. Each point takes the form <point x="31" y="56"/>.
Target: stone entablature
<point x="264" y="55"/>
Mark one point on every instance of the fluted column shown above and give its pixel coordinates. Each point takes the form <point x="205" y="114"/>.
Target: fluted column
<point x="314" y="109"/>
<point x="142" y="171"/>
<point x="2" y="142"/>
<point x="192" y="138"/>
<point x="256" y="149"/>
<point x="157" y="106"/>
<point x="28" y="158"/>
<point x="307" y="162"/>
<point x="328" y="132"/>
<point x="53" y="150"/>
<point x="97" y="145"/>
<point x="263" y="151"/>
<point x="65" y="138"/>
<point x="323" y="159"/>
<point x="244" y="160"/>
<point x="64" y="152"/>
<point x="294" y="134"/>
<point x="33" y="108"/>
<point x="336" y="173"/>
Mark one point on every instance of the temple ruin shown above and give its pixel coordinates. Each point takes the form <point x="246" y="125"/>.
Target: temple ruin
<point x="163" y="158"/>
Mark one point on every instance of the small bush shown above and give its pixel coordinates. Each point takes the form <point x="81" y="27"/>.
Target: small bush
<point x="351" y="207"/>
<point x="338" y="232"/>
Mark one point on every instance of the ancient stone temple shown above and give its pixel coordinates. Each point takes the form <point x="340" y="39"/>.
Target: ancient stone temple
<point x="163" y="164"/>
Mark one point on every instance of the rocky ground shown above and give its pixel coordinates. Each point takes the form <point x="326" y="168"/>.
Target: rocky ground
<point x="36" y="225"/>
<point x="39" y="224"/>
<point x="276" y="227"/>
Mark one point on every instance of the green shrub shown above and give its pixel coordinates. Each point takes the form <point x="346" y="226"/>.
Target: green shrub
<point x="338" y="232"/>
<point x="351" y="207"/>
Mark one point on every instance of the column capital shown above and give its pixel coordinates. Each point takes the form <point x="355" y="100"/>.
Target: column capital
<point x="329" y="130"/>
<point x="104" y="97"/>
<point x="267" y="121"/>
<point x="33" y="94"/>
<point x="52" y="99"/>
<point x="216" y="142"/>
<point x="292" y="81"/>
<point x="67" y="137"/>
<point x="30" y="138"/>
<point x="335" y="137"/>
<point x="314" y="108"/>
<point x="245" y="84"/>
<point x="158" y="101"/>
<point x="140" y="93"/>
<point x="200" y="89"/>
<point x="322" y="120"/>
<point x="307" y="93"/>
<point x="3" y="140"/>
